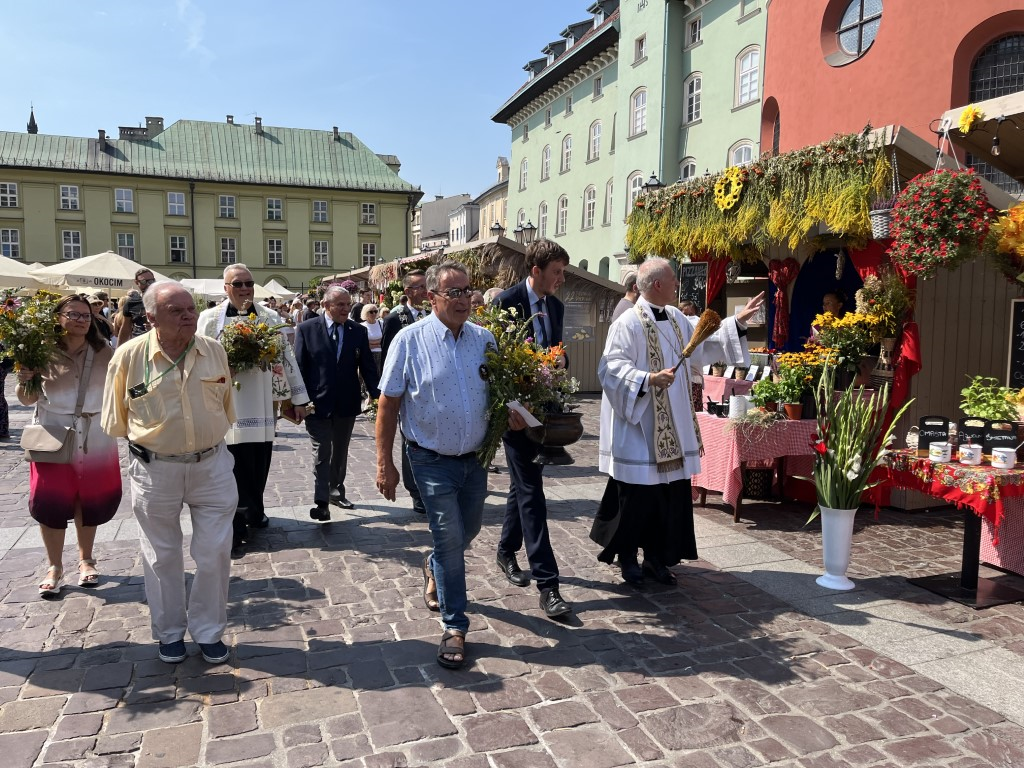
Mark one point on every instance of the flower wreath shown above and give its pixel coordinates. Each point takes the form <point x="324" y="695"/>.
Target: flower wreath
<point x="729" y="187"/>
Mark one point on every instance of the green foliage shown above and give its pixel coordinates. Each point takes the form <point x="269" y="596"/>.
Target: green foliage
<point x="985" y="398"/>
<point x="765" y="391"/>
<point x="792" y="385"/>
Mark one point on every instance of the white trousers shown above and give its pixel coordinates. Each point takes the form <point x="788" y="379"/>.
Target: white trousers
<point x="160" y="489"/>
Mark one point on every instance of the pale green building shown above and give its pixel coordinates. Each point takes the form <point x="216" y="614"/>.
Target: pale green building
<point x="293" y="204"/>
<point x="668" y="88"/>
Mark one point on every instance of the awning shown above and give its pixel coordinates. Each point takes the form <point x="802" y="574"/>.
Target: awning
<point x="1004" y="118"/>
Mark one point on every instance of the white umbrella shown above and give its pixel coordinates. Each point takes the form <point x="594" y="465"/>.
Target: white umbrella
<point x="106" y="271"/>
<point x="279" y="291"/>
<point x="14" y="274"/>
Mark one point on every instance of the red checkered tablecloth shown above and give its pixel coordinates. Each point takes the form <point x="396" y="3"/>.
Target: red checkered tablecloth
<point x="727" y="449"/>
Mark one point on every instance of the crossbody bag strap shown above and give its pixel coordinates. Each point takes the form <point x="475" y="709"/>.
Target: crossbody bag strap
<point x="84" y="383"/>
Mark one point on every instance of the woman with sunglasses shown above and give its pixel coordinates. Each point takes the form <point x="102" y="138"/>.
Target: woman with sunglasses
<point x="374" y="329"/>
<point x="88" y="489"/>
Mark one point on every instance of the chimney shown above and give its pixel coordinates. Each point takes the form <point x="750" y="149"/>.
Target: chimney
<point x="259" y="126"/>
<point x="231" y="119"/>
<point x="337" y="136"/>
<point x="154" y="125"/>
<point x="103" y="136"/>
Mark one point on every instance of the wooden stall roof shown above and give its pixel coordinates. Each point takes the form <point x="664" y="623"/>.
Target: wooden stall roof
<point x="1004" y="114"/>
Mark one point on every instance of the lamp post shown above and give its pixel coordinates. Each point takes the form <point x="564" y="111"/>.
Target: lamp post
<point x="519" y="233"/>
<point x="652" y="184"/>
<point x="529" y="232"/>
<point x="497" y="230"/>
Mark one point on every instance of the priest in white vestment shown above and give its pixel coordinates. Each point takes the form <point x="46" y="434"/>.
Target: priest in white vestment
<point x="649" y="444"/>
<point x="251" y="438"/>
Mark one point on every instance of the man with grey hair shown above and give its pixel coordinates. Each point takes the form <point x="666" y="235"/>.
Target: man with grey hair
<point x="626" y="302"/>
<point x="330" y="350"/>
<point x="649" y="442"/>
<point x="433" y="383"/>
<point x="169" y="392"/>
<point x="251" y="438"/>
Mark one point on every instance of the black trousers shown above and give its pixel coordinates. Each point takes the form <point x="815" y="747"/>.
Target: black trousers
<point x="330" y="436"/>
<point x="252" y="465"/>
<point x="526" y="510"/>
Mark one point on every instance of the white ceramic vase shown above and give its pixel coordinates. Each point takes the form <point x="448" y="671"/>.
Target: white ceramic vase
<point x="836" y="541"/>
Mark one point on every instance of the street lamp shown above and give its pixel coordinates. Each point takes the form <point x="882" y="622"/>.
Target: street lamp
<point x="519" y="233"/>
<point x="652" y="184"/>
<point x="529" y="232"/>
<point x="497" y="230"/>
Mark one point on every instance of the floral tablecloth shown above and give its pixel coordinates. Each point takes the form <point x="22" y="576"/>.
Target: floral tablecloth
<point x="982" y="489"/>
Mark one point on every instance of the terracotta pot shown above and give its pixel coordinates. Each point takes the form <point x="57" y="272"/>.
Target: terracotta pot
<point x="771" y="407"/>
<point x="740" y="372"/>
<point x="557" y="431"/>
<point x="794" y="411"/>
<point x="717" y="370"/>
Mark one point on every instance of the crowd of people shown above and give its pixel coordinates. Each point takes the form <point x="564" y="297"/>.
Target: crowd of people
<point x="200" y="434"/>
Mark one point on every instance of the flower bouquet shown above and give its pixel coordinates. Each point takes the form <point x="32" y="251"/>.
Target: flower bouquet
<point x="518" y="369"/>
<point x="885" y="297"/>
<point x="29" y="332"/>
<point x="849" y="336"/>
<point x="252" y="343"/>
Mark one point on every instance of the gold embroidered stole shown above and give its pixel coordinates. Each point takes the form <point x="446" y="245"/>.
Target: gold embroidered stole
<point x="667" y="450"/>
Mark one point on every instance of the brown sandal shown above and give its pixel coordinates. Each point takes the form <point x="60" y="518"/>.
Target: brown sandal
<point x="429" y="595"/>
<point x="449" y="648"/>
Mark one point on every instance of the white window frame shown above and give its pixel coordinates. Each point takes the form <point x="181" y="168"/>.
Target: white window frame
<point x="526" y="131"/>
<point x="8" y="194"/>
<point x="69" y="198"/>
<point x="228" y="250"/>
<point x="547" y="117"/>
<point x="640" y="49"/>
<point x="635" y="185"/>
<point x="609" y="194"/>
<point x="71" y="243"/>
<point x="175" y="203"/>
<point x="369" y="254"/>
<point x="693" y="32"/>
<point x="368" y="213"/>
<point x="566" y="154"/>
<point x="598" y="85"/>
<point x="638" y="112"/>
<point x="320" y="211"/>
<point x="562" y="215"/>
<point x="542" y="220"/>
<point x="692" y="87"/>
<point x="275" y="209"/>
<point x="10" y="243"/>
<point x="687" y="164"/>
<point x="226" y="206"/>
<point x="178" y="245"/>
<point x="521" y="218"/>
<point x="124" y="200"/>
<point x="589" y="206"/>
<point x="748" y="86"/>
<point x="321" y="253"/>
<point x="523" y="173"/>
<point x="275" y="252"/>
<point x="595" y="140"/>
<point x="568" y="103"/>
<point x="126" y="245"/>
<point x="545" y="162"/>
<point x="738" y="148"/>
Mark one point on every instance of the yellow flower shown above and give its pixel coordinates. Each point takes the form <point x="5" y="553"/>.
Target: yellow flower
<point x="969" y="117"/>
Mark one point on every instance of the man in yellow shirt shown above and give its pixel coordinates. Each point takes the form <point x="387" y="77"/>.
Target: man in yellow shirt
<point x="169" y="392"/>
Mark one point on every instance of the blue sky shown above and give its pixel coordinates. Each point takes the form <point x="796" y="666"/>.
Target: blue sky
<point x="416" y="79"/>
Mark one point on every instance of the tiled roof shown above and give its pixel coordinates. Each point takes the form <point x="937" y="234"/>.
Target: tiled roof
<point x="207" y="151"/>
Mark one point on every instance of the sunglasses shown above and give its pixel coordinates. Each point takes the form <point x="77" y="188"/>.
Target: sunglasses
<point x="372" y="312"/>
<point x="242" y="283"/>
<point x="453" y="294"/>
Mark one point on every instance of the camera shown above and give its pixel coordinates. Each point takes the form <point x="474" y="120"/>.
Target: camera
<point x="138" y="390"/>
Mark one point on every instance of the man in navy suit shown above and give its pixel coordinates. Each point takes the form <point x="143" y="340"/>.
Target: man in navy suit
<point x="329" y="351"/>
<point x="526" y="511"/>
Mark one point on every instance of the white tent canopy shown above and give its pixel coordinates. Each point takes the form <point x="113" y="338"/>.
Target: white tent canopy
<point x="213" y="288"/>
<point x="106" y="271"/>
<point x="279" y="291"/>
<point x="14" y="274"/>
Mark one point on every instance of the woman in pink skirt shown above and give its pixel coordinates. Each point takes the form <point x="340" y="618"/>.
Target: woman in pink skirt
<point x="88" y="490"/>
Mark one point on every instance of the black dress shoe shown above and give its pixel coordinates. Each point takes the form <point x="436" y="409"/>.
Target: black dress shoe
<point x="320" y="512"/>
<point x="263" y="522"/>
<point x="237" y="551"/>
<point x="631" y="572"/>
<point x="658" y="572"/>
<point x="552" y="603"/>
<point x="340" y="501"/>
<point x="512" y="571"/>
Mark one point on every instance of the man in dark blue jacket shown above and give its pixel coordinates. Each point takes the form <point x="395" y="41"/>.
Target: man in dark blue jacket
<point x="526" y="511"/>
<point x="330" y="350"/>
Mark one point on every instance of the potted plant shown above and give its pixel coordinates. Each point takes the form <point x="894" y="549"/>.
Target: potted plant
<point x="940" y="219"/>
<point x="849" y="337"/>
<point x="881" y="217"/>
<point x="718" y="368"/>
<point x="765" y="394"/>
<point x="986" y="398"/>
<point x="792" y="385"/>
<point x="888" y="299"/>
<point x="851" y="441"/>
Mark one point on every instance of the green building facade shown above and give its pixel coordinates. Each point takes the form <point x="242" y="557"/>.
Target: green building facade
<point x="292" y="204"/>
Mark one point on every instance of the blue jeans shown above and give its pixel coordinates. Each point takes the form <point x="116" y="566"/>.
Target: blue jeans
<point x="453" y="490"/>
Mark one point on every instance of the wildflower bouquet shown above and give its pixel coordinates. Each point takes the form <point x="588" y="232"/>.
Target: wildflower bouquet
<point x="851" y="441"/>
<point x="518" y="369"/>
<point x="940" y="219"/>
<point x="1005" y="243"/>
<point x="252" y="343"/>
<point x="848" y="336"/>
<point x="29" y="332"/>
<point x="887" y="298"/>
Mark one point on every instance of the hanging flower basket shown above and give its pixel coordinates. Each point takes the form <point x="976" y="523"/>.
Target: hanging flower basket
<point x="881" y="224"/>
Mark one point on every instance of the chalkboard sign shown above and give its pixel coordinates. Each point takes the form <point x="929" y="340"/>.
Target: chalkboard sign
<point x="972" y="430"/>
<point x="1000" y="434"/>
<point x="693" y="284"/>
<point x="1015" y="359"/>
<point x="931" y="429"/>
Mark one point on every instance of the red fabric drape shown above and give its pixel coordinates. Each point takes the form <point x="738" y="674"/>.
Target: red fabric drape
<point x="716" y="276"/>
<point x="782" y="273"/>
<point x="871" y="259"/>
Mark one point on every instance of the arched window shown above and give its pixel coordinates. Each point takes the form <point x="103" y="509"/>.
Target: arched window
<point x="859" y="26"/>
<point x="595" y="140"/>
<point x="563" y="215"/>
<point x="635" y="185"/>
<point x="998" y="71"/>
<point x="545" y="162"/>
<point x="542" y="218"/>
<point x="638" y="112"/>
<point x="609" y="188"/>
<point x="747" y="75"/>
<point x="589" y="206"/>
<point x="566" y="153"/>
<point x="602" y="267"/>
<point x="687" y="168"/>
<point x="741" y="153"/>
<point x="522" y="173"/>
<point x="691" y="90"/>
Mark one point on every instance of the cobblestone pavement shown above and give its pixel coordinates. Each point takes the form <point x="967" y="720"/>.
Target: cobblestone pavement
<point x="745" y="663"/>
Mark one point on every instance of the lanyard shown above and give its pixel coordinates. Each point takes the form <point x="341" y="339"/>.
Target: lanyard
<point x="174" y="365"/>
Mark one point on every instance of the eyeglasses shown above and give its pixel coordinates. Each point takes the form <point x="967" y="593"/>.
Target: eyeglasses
<point x="454" y="294"/>
<point x="146" y="280"/>
<point x="242" y="283"/>
<point x="76" y="315"/>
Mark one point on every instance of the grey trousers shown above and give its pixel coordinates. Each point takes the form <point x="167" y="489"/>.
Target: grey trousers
<point x="330" y="437"/>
